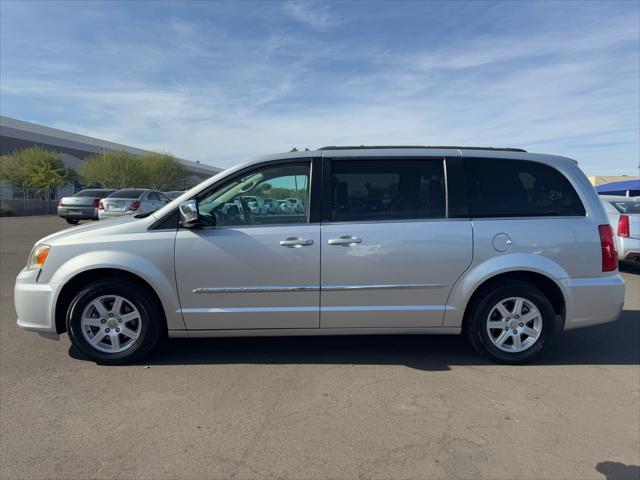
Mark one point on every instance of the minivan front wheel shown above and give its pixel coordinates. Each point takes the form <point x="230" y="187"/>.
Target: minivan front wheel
<point x="113" y="322"/>
<point x="512" y="322"/>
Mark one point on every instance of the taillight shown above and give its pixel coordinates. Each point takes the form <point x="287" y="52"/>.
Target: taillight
<point x="609" y="253"/>
<point x="623" y="226"/>
<point x="96" y="203"/>
<point x="100" y="205"/>
<point x="59" y="202"/>
<point x="134" y="206"/>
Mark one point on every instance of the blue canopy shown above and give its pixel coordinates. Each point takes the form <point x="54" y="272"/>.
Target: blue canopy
<point x="620" y="188"/>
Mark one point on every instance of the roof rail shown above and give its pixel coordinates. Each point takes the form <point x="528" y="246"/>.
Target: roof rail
<point x="443" y="147"/>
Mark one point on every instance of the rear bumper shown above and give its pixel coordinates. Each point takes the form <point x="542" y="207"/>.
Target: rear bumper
<point x="79" y="213"/>
<point x="592" y="301"/>
<point x="629" y="248"/>
<point x="103" y="214"/>
<point x="35" y="303"/>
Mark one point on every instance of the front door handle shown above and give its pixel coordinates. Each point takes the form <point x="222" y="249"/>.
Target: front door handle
<point x="347" y="240"/>
<point x="295" y="242"/>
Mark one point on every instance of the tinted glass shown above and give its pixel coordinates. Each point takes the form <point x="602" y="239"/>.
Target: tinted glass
<point x="126" y="194"/>
<point x="154" y="196"/>
<point x="240" y="202"/>
<point x="627" y="207"/>
<point x="517" y="188"/>
<point x="93" y="193"/>
<point x="387" y="189"/>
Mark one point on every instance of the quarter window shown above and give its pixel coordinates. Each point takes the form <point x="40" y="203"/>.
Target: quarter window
<point x="518" y="188"/>
<point x="387" y="189"/>
<point x="269" y="195"/>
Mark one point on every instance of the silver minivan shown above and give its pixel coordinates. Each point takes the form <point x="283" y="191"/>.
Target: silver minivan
<point x="507" y="247"/>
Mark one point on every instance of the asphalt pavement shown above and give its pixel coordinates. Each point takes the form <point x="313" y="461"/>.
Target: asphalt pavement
<point x="381" y="407"/>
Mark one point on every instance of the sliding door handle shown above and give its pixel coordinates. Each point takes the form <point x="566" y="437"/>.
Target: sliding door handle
<point x="346" y="240"/>
<point x="295" y="242"/>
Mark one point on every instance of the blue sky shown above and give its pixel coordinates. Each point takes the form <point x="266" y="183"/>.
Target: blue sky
<point x="221" y="82"/>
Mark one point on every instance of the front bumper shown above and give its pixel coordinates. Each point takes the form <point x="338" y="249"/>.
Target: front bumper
<point x="79" y="213"/>
<point x="35" y="302"/>
<point x="592" y="301"/>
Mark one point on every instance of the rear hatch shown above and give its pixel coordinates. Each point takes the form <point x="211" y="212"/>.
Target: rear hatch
<point x="116" y="204"/>
<point x="76" y="201"/>
<point x="121" y="200"/>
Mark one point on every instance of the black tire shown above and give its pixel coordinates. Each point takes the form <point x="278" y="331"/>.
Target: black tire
<point x="150" y="317"/>
<point x="475" y="326"/>
<point x="72" y="221"/>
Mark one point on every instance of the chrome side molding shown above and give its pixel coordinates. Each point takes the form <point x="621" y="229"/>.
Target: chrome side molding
<point x="314" y="288"/>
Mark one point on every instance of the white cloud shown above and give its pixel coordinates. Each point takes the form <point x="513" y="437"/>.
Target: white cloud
<point x="314" y="14"/>
<point x="558" y="91"/>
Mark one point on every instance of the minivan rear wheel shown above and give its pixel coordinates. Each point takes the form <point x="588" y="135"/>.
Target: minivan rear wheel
<point x="511" y="322"/>
<point x="113" y="322"/>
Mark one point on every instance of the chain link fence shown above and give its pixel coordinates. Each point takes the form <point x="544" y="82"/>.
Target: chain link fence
<point x="16" y="202"/>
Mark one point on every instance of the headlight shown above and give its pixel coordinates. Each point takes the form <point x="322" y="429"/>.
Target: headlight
<point x="37" y="256"/>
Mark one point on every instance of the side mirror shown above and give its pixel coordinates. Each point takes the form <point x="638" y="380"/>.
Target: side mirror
<point x="189" y="217"/>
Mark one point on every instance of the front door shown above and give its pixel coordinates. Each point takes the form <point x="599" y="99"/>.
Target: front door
<point x="247" y="268"/>
<point x="390" y="256"/>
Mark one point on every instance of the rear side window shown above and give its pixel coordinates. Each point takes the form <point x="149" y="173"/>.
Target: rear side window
<point x="627" y="207"/>
<point x="387" y="189"/>
<point x="517" y="188"/>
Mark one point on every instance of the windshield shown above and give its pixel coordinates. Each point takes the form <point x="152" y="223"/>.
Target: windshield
<point x="627" y="207"/>
<point x="126" y="194"/>
<point x="93" y="193"/>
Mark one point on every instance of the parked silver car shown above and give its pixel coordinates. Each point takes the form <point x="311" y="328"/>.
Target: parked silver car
<point x="505" y="246"/>
<point x="131" y="201"/>
<point x="83" y="205"/>
<point x="624" y="216"/>
<point x="173" y="194"/>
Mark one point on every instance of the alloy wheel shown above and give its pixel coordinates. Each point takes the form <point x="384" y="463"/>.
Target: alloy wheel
<point x="111" y="323"/>
<point x="514" y="324"/>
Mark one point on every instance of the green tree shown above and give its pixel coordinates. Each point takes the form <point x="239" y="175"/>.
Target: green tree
<point x="113" y="169"/>
<point x="37" y="168"/>
<point x="163" y="172"/>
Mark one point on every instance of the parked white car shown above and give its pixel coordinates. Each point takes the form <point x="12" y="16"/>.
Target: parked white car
<point x="285" y="207"/>
<point x="131" y="201"/>
<point x="296" y="206"/>
<point x="624" y="216"/>
<point x="272" y="206"/>
<point x="256" y="205"/>
<point x="508" y="248"/>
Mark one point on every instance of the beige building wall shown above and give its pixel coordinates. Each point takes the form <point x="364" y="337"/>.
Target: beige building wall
<point x="602" y="179"/>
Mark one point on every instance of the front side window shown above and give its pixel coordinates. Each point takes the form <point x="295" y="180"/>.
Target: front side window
<point x="518" y="188"/>
<point x="268" y="195"/>
<point x="387" y="189"/>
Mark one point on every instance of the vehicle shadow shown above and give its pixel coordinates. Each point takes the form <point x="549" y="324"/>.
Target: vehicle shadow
<point x="610" y="344"/>
<point x="618" y="471"/>
<point x="629" y="267"/>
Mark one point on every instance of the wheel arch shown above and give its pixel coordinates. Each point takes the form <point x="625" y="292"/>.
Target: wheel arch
<point x="537" y="270"/>
<point x="544" y="283"/>
<point x="71" y="288"/>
